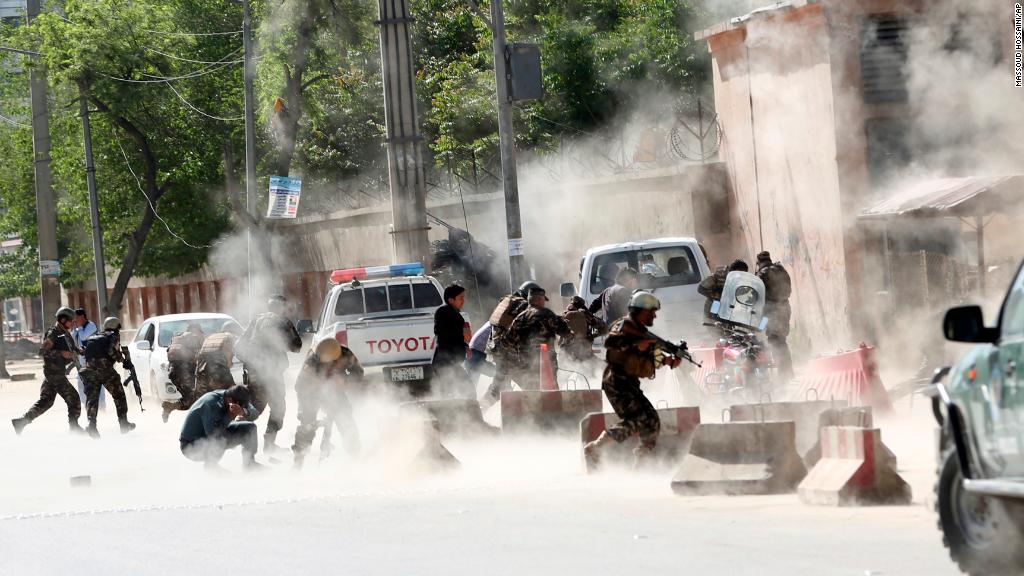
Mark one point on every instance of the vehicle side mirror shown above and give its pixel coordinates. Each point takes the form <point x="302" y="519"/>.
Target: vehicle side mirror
<point x="966" y="324"/>
<point x="144" y="345"/>
<point x="305" y="326"/>
<point x="567" y="290"/>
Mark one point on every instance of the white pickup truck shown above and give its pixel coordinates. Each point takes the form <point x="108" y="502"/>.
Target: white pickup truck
<point x="671" y="268"/>
<point x="385" y="315"/>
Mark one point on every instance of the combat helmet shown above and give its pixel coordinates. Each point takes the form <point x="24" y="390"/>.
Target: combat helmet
<point x="642" y="300"/>
<point x="64" y="312"/>
<point x="111" y="323"/>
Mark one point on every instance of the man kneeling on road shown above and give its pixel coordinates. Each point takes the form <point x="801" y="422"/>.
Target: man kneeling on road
<point x="213" y="426"/>
<point x="632" y="355"/>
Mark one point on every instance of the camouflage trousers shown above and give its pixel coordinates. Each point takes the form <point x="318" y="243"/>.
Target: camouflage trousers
<point x="210" y="377"/>
<point x="183" y="377"/>
<point x="267" y="389"/>
<point x="56" y="382"/>
<point x="97" y="379"/>
<point x="637" y="414"/>
<point x="311" y="398"/>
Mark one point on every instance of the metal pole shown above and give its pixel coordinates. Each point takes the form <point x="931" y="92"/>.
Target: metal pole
<point x="94" y="207"/>
<point x="46" y="208"/>
<point x="405" y="159"/>
<point x="4" y="374"/>
<point x="700" y="128"/>
<point x="979" y="230"/>
<point x="506" y="139"/>
<point x="250" y="147"/>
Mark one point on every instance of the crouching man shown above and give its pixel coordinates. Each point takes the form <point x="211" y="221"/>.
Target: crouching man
<point x="213" y="426"/>
<point x="327" y="372"/>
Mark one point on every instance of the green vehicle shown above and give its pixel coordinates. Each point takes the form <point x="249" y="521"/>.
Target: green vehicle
<point x="980" y="488"/>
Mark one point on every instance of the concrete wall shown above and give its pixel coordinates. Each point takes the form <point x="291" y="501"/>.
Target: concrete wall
<point x="774" y="97"/>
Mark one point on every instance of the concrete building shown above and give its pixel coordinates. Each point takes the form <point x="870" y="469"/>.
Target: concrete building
<point x="815" y="107"/>
<point x="12" y="9"/>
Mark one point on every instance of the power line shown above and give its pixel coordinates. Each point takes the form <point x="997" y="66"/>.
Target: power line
<point x="138" y="183"/>
<point x="166" y="33"/>
<point x="154" y="79"/>
<point x="222" y="60"/>
<point x="13" y="122"/>
<point x="211" y="116"/>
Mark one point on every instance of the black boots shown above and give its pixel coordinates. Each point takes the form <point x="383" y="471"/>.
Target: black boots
<point x="19" y="424"/>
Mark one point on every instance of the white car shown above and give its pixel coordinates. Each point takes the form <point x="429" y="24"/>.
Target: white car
<point x="149" y="350"/>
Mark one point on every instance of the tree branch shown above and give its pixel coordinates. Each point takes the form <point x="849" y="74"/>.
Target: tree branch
<point x="312" y="81"/>
<point x="475" y="8"/>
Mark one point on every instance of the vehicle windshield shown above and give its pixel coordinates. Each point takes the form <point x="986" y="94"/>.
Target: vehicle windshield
<point x="172" y="328"/>
<point x="387" y="298"/>
<point x="658" y="268"/>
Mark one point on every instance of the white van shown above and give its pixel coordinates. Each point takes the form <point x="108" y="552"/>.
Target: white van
<point x="671" y="268"/>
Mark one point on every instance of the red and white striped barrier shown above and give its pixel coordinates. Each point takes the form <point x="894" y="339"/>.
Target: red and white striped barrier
<point x="850" y="376"/>
<point x="525" y="410"/>
<point x="677" y="427"/>
<point x="711" y="360"/>
<point x="854" y="469"/>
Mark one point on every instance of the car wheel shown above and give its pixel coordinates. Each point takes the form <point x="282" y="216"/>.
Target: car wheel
<point x="980" y="535"/>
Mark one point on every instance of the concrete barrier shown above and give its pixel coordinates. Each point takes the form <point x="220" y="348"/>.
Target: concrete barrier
<point x="431" y="455"/>
<point x="856" y="417"/>
<point x="853" y="470"/>
<point x="741" y="458"/>
<point x="677" y="428"/>
<point x="454" y="417"/>
<point x="532" y="410"/>
<point x="851" y="376"/>
<point x="806" y="416"/>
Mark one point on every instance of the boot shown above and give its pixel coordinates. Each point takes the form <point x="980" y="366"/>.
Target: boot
<point x="642" y="456"/>
<point x="92" y="431"/>
<point x="75" y="427"/>
<point x="269" y="442"/>
<point x="19" y="424"/>
<point x="168" y="408"/>
<point x="126" y="426"/>
<point x="592" y="450"/>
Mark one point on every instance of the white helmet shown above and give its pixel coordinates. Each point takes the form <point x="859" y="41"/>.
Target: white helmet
<point x="111" y="323"/>
<point x="642" y="300"/>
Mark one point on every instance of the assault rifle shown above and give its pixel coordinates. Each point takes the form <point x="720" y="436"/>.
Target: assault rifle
<point x="133" y="378"/>
<point x="678" y="350"/>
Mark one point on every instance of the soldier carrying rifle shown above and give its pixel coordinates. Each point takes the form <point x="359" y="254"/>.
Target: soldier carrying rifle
<point x="633" y="352"/>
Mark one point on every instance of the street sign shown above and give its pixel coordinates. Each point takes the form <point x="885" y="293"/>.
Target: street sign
<point x="284" y="197"/>
<point x="49" y="267"/>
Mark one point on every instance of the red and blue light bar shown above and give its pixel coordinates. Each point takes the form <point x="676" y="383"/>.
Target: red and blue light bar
<point x="368" y="272"/>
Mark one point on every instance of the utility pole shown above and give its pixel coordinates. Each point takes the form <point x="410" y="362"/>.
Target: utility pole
<point x="94" y="207"/>
<point x="250" y="145"/>
<point x="405" y="161"/>
<point x="507" y="142"/>
<point x="46" y="206"/>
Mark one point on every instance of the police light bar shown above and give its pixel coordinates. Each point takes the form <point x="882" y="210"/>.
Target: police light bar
<point x="368" y="272"/>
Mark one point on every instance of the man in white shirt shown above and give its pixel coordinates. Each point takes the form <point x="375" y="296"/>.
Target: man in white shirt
<point x="81" y="332"/>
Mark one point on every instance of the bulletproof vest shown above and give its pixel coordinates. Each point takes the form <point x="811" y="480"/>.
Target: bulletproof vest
<point x="506" y="311"/>
<point x="184" y="347"/>
<point x="777" y="283"/>
<point x="577" y="321"/>
<point x="632" y="362"/>
<point x="216" y="346"/>
<point x="98" y="346"/>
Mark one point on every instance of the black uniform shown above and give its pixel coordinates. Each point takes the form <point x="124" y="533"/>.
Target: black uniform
<point x="450" y="352"/>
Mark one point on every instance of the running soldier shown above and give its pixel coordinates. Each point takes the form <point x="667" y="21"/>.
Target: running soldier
<point x="501" y="319"/>
<point x="266" y="342"/>
<point x="632" y="355"/>
<point x="585" y="327"/>
<point x="537" y="325"/>
<point x="213" y="364"/>
<point x="102" y="351"/>
<point x="777" y="289"/>
<point x="326" y="372"/>
<point x="182" y="357"/>
<point x="58" y="350"/>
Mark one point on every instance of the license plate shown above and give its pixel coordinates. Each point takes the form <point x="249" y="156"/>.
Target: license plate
<point x="406" y="374"/>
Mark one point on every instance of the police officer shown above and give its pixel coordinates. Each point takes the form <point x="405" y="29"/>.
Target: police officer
<point x="213" y="363"/>
<point x="182" y="355"/>
<point x="102" y="351"/>
<point x="326" y="372"/>
<point x="632" y="354"/>
<point x="711" y="287"/>
<point x="777" y="289"/>
<point x="267" y="340"/>
<point x="503" y="356"/>
<point x="536" y="325"/>
<point x="58" y="350"/>
<point x="585" y="327"/>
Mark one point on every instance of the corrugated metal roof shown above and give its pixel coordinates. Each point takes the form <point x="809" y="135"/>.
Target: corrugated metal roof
<point x="971" y="196"/>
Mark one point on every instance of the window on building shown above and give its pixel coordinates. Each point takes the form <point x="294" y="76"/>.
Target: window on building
<point x="883" y="59"/>
<point x="888" y="151"/>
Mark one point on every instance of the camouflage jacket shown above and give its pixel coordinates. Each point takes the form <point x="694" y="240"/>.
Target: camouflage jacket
<point x="626" y="361"/>
<point x="218" y="349"/>
<point x="504" y="315"/>
<point x="267" y="341"/>
<point x="56" y="341"/>
<point x="184" y="347"/>
<point x="534" y="327"/>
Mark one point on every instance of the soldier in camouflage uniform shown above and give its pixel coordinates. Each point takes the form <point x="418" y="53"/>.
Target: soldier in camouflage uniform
<point x="266" y="342"/>
<point x="58" y="350"/>
<point x="777" y="289"/>
<point x="585" y="327"/>
<point x="327" y="371"/>
<point x="503" y="357"/>
<point x="182" y="357"/>
<point x="213" y="364"/>
<point x="102" y="351"/>
<point x="631" y="355"/>
<point x="537" y="325"/>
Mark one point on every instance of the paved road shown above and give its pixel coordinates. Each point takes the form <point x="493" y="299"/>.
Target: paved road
<point x="517" y="506"/>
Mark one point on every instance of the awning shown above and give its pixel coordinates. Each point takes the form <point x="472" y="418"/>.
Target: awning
<point x="952" y="197"/>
